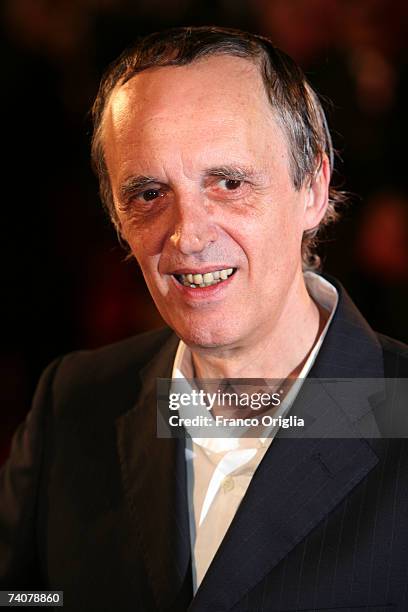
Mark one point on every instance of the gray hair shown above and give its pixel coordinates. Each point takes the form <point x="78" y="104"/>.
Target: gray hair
<point x="295" y="103"/>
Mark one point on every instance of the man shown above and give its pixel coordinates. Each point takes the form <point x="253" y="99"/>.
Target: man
<point x="215" y="161"/>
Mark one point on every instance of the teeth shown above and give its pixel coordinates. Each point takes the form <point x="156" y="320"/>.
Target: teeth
<point x="205" y="280"/>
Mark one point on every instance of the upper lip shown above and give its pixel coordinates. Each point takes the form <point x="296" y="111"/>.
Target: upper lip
<point x="201" y="270"/>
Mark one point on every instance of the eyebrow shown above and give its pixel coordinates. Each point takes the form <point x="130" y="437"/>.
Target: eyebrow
<point x="238" y="173"/>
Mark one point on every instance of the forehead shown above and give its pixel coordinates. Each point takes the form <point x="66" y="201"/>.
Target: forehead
<point x="213" y="81"/>
<point x="214" y="102"/>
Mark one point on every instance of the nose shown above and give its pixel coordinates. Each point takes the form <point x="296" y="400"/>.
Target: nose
<point x="194" y="229"/>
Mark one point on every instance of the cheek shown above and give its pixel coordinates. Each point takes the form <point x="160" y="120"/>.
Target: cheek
<point x="148" y="265"/>
<point x="146" y="241"/>
<point x="144" y="250"/>
<point x="277" y="232"/>
<point x="289" y="231"/>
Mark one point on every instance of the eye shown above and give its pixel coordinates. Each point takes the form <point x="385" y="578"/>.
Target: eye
<point x="151" y="194"/>
<point x="227" y="188"/>
<point x="230" y="184"/>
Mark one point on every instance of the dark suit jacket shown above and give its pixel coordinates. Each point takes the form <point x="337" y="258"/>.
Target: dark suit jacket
<point x="91" y="502"/>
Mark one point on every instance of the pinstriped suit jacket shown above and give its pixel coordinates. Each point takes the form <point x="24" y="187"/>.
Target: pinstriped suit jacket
<point x="93" y="503"/>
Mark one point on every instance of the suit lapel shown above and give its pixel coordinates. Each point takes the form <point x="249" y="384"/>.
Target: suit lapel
<point x="300" y="481"/>
<point x="154" y="481"/>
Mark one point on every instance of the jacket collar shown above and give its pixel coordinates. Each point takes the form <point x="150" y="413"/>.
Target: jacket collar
<point x="351" y="348"/>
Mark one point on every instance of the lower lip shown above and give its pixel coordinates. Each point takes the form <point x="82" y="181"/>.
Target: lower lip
<point x="201" y="293"/>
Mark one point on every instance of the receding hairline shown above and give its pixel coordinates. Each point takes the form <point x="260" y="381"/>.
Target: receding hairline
<point x="253" y="62"/>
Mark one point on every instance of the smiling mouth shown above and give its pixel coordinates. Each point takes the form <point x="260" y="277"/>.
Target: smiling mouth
<point x="208" y="279"/>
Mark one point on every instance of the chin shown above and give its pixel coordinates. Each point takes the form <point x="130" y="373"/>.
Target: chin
<point x="209" y="329"/>
<point x="202" y="337"/>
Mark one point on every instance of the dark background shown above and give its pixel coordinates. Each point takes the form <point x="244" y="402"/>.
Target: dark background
<point x="66" y="283"/>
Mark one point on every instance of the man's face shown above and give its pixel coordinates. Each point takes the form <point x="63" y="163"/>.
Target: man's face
<point x="200" y="176"/>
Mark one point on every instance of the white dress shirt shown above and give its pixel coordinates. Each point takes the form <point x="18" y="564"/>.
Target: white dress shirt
<point x="219" y="470"/>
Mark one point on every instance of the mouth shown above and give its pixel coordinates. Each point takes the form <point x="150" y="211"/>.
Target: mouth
<point x="196" y="280"/>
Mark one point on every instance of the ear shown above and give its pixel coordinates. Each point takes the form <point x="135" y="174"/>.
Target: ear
<point x="316" y="195"/>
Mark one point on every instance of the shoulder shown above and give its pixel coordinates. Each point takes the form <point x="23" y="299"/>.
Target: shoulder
<point x="395" y="355"/>
<point x="109" y="360"/>
<point x="103" y="380"/>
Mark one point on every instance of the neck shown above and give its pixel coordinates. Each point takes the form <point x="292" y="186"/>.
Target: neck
<point x="281" y="353"/>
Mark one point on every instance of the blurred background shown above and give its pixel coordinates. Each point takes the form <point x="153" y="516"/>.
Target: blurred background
<point x="67" y="285"/>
